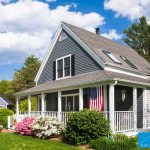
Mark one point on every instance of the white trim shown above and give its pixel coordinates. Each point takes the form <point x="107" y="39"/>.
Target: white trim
<point x="3" y="100"/>
<point x="59" y="105"/>
<point x="125" y="71"/>
<point x="144" y="108"/>
<point x="63" y="58"/>
<point x="80" y="99"/>
<point x="48" y="53"/>
<point x="29" y="105"/>
<point x="42" y="102"/>
<point x="135" y="107"/>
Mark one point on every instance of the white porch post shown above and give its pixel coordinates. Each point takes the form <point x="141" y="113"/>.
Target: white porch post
<point x="17" y="108"/>
<point x="135" y="107"/>
<point x="80" y="98"/>
<point x="144" y="108"/>
<point x="29" y="105"/>
<point x="59" y="105"/>
<point x="111" y="106"/>
<point x="42" y="103"/>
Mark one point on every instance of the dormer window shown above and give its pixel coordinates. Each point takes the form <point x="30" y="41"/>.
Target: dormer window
<point x="128" y="62"/>
<point x="111" y="56"/>
<point x="63" y="67"/>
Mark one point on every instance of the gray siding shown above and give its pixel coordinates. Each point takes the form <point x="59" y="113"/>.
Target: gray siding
<point x="139" y="108"/>
<point x="2" y="103"/>
<point x="84" y="63"/>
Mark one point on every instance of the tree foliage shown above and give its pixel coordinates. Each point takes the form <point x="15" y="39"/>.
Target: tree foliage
<point x="22" y="79"/>
<point x="137" y="36"/>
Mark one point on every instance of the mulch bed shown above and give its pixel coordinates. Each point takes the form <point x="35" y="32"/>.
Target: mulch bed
<point x="7" y="131"/>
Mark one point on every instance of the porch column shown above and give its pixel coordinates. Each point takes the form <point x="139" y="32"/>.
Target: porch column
<point x="144" y="108"/>
<point x="17" y="108"/>
<point x="42" y="103"/>
<point x="135" y="107"/>
<point x="111" y="106"/>
<point x="59" y="105"/>
<point x="80" y="98"/>
<point x="29" y="105"/>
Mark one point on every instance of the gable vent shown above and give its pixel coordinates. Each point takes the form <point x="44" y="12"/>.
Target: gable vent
<point x="62" y="37"/>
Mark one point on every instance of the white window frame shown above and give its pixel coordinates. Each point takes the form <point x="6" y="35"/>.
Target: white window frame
<point x="69" y="95"/>
<point x="111" y="56"/>
<point x="63" y="58"/>
<point x="2" y="106"/>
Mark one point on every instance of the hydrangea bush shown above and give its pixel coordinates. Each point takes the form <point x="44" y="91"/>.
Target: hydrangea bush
<point x="46" y="127"/>
<point x="24" y="127"/>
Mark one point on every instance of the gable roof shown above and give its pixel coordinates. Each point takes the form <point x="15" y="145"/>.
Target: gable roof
<point x="98" y="43"/>
<point x="95" y="44"/>
<point x="7" y="101"/>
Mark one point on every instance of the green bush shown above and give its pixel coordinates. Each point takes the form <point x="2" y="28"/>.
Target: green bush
<point x="117" y="142"/>
<point x="3" y="116"/>
<point x="23" y="106"/>
<point x="84" y="126"/>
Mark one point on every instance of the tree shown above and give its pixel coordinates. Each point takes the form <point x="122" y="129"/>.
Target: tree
<point x="137" y="36"/>
<point x="6" y="89"/>
<point x="24" y="77"/>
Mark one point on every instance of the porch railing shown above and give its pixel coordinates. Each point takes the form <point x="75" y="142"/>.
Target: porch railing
<point x="124" y="121"/>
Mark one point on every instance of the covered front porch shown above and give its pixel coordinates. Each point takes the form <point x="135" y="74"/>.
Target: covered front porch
<point x="120" y="104"/>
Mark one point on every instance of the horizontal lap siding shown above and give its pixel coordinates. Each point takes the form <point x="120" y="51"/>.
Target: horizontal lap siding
<point x="139" y="108"/>
<point x="84" y="63"/>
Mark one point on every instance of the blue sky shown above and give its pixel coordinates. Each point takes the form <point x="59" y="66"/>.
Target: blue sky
<point x="27" y="26"/>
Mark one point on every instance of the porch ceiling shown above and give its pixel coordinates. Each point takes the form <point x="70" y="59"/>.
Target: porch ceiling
<point x="83" y="80"/>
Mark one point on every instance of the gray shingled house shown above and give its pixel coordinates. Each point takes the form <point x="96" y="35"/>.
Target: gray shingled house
<point x="4" y="102"/>
<point x="78" y="61"/>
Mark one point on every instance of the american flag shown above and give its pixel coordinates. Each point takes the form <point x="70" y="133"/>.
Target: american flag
<point x="96" y="98"/>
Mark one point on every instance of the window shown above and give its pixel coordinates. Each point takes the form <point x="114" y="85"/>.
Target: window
<point x="128" y="62"/>
<point x="112" y="57"/>
<point x="63" y="67"/>
<point x="70" y="102"/>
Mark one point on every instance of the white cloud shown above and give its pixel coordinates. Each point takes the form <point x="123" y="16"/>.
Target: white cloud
<point x="132" y="9"/>
<point x="112" y="34"/>
<point x="27" y="26"/>
<point x="50" y="1"/>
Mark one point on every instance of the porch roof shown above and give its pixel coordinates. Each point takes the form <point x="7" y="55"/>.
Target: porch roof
<point x="83" y="80"/>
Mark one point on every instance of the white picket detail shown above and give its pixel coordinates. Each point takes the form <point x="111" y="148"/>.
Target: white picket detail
<point x="124" y="121"/>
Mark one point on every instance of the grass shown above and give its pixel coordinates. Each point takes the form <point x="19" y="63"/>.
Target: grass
<point x="11" y="141"/>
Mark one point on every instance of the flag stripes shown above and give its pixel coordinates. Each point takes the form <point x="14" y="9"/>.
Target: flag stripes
<point x="96" y="98"/>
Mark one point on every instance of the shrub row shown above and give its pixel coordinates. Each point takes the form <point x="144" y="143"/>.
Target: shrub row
<point x="84" y="126"/>
<point x="42" y="127"/>
<point x="4" y="113"/>
<point x="118" y="142"/>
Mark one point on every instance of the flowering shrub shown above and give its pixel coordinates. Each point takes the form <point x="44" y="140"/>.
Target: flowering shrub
<point x="46" y="127"/>
<point x="24" y="127"/>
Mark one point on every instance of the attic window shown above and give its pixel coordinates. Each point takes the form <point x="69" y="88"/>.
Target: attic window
<point x="128" y="62"/>
<point x="112" y="57"/>
<point x="62" y="37"/>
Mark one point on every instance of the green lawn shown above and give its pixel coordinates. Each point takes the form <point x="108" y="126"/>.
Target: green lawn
<point x="11" y="141"/>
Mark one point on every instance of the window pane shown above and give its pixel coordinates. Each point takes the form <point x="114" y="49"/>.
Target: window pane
<point x="128" y="62"/>
<point x="67" y="66"/>
<point x="111" y="56"/>
<point x="76" y="103"/>
<point x="60" y="73"/>
<point x="67" y="71"/>
<point x="60" y="64"/>
<point x="67" y="62"/>
<point x="70" y="103"/>
<point x="63" y="104"/>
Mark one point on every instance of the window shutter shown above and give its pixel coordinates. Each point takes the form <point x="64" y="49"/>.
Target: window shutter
<point x="54" y="70"/>
<point x="72" y="65"/>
